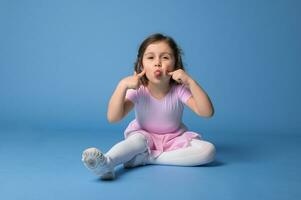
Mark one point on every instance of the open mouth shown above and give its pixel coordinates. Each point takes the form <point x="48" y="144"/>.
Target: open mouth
<point x="158" y="73"/>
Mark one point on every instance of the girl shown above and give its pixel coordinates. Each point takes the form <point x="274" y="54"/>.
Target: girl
<point x="158" y="90"/>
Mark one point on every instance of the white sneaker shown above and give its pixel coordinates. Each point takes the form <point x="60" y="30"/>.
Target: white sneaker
<point x="98" y="163"/>
<point x="138" y="160"/>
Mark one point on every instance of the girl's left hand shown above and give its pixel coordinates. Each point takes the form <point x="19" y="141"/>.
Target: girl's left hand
<point x="180" y="76"/>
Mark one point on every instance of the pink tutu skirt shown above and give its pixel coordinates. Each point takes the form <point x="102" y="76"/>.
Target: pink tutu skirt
<point x="159" y="143"/>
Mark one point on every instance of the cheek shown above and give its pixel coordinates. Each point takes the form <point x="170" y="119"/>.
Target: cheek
<point x="145" y="64"/>
<point x="147" y="69"/>
<point x="171" y="63"/>
<point x="170" y="66"/>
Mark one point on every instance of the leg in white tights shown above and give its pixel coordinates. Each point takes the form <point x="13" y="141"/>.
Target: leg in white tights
<point x="127" y="149"/>
<point x="103" y="165"/>
<point x="198" y="153"/>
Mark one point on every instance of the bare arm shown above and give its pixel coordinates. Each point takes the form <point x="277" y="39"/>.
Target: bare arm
<point x="199" y="102"/>
<point x="118" y="106"/>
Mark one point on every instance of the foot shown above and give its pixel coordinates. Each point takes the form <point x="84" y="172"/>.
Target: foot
<point x="98" y="163"/>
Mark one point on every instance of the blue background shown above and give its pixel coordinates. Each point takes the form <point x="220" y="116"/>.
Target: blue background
<point x="60" y="61"/>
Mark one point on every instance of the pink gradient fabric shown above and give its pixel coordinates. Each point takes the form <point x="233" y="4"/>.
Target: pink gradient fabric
<point x="160" y="120"/>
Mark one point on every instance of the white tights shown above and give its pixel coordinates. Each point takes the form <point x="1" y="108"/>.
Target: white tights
<point x="198" y="153"/>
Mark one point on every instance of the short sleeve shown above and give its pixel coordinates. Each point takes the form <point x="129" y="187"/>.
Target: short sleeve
<point x="183" y="93"/>
<point x="131" y="95"/>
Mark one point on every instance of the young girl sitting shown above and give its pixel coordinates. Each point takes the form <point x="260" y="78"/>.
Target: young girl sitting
<point x="158" y="90"/>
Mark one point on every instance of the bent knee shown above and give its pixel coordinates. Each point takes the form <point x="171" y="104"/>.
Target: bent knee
<point x="211" y="151"/>
<point x="206" y="151"/>
<point x="137" y="137"/>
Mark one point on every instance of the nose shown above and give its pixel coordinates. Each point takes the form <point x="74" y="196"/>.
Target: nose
<point x="158" y="63"/>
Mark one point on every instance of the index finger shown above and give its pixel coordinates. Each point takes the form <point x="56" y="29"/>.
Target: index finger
<point x="141" y="74"/>
<point x="170" y="73"/>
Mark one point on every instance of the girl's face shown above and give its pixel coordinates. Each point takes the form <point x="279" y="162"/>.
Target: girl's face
<point x="158" y="60"/>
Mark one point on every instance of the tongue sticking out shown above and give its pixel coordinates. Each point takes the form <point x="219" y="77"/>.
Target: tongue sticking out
<point x="158" y="73"/>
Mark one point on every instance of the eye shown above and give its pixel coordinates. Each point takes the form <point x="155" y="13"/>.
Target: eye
<point x="150" y="57"/>
<point x="166" y="57"/>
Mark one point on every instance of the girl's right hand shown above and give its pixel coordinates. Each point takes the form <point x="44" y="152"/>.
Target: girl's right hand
<point x="133" y="82"/>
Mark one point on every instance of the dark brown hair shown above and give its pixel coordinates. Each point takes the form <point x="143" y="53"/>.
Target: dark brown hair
<point x="158" y="37"/>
